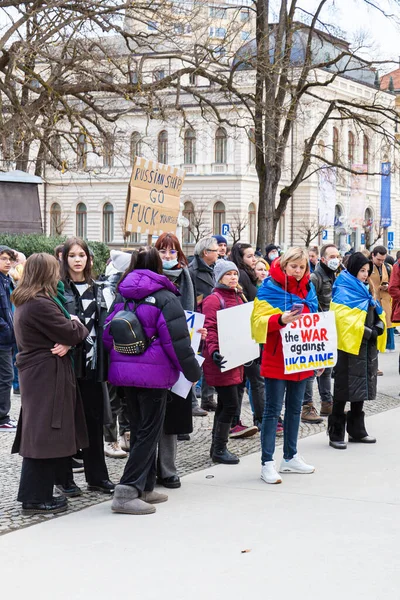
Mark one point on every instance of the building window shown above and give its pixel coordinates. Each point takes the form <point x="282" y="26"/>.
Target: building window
<point x="189" y="147"/>
<point x="158" y="75"/>
<point x="108" y="151"/>
<point x="220" y="146"/>
<point x="81" y="151"/>
<point x="217" y="12"/>
<point x="133" y="77"/>
<point x="351" y="147"/>
<point x="252" y="147"/>
<point x="335" y="145"/>
<point x="219" y="52"/>
<point x="81" y="220"/>
<point x="218" y="217"/>
<point x="136" y="146"/>
<point x="55" y="219"/>
<point x="152" y="26"/>
<point x="252" y="223"/>
<point x="217" y="32"/>
<point x="193" y="79"/>
<point x="163" y="147"/>
<point x="245" y="15"/>
<point x="188" y="212"/>
<point x="366" y="151"/>
<point x="108" y="223"/>
<point x="244" y="35"/>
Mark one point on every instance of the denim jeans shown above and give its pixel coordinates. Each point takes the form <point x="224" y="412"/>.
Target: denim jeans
<point x="390" y="345"/>
<point x="324" y="387"/>
<point x="275" y="391"/>
<point x="6" y="379"/>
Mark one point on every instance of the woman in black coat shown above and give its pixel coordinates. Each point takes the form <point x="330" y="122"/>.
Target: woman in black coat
<point x="355" y="373"/>
<point x="84" y="298"/>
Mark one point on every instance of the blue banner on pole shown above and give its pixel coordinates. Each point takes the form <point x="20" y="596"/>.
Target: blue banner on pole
<point x="386" y="209"/>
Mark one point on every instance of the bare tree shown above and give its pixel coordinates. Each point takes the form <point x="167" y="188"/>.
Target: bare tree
<point x="239" y="224"/>
<point x="372" y="232"/>
<point x="199" y="224"/>
<point x="309" y="231"/>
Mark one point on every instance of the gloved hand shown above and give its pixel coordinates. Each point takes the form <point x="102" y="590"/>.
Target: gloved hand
<point x="219" y="360"/>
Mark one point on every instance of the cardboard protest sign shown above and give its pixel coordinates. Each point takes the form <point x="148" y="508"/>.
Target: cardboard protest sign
<point x="152" y="204"/>
<point x="194" y="322"/>
<point x="310" y="343"/>
<point x="234" y="336"/>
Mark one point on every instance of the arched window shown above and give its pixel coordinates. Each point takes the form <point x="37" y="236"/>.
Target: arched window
<point x="163" y="147"/>
<point x="368" y="226"/>
<point x="81" y="220"/>
<point x="55" y="219"/>
<point x="220" y="145"/>
<point x="218" y="217"/>
<point x="81" y="151"/>
<point x="108" y="151"/>
<point x="108" y="223"/>
<point x="335" y="145"/>
<point x="135" y="147"/>
<point x="351" y="147"/>
<point x="189" y="147"/>
<point x="252" y="223"/>
<point x="366" y="151"/>
<point x="252" y="147"/>
<point x="188" y="212"/>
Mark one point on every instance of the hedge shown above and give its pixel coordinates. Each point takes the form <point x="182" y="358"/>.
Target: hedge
<point x="34" y="242"/>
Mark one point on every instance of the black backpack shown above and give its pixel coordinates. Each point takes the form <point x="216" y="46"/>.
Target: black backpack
<point x="127" y="331"/>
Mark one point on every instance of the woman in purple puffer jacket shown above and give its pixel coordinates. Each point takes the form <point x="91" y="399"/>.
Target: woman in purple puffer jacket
<point x="148" y="376"/>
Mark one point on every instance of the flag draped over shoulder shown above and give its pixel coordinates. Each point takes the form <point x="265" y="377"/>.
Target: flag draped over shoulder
<point x="272" y="299"/>
<point x="350" y="302"/>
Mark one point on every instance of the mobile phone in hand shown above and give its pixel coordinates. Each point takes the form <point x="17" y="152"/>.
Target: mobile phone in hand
<point x="297" y="307"/>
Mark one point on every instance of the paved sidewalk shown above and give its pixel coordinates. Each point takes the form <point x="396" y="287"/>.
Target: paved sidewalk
<point x="226" y="534"/>
<point x="192" y="456"/>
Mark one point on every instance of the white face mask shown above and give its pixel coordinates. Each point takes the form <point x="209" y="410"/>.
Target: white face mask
<point x="273" y="255"/>
<point x="333" y="264"/>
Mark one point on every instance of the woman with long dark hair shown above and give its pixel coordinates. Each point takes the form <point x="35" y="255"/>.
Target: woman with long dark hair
<point x="244" y="258"/>
<point x="51" y="426"/>
<point x="147" y="377"/>
<point x="178" y="416"/>
<point x="84" y="298"/>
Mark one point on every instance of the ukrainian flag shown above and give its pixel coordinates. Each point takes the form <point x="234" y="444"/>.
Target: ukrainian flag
<point x="350" y="302"/>
<point x="272" y="299"/>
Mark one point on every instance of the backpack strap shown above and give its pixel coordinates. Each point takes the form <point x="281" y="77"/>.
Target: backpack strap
<point x="220" y="298"/>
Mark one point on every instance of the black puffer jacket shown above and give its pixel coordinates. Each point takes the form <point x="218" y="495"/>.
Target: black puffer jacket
<point x="355" y="375"/>
<point x="203" y="279"/>
<point x="323" y="279"/>
<point x="248" y="285"/>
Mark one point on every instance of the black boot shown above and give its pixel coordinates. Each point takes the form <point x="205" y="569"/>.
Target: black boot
<point x="336" y="431"/>
<point x="356" y="429"/>
<point x="220" y="453"/>
<point x="209" y="404"/>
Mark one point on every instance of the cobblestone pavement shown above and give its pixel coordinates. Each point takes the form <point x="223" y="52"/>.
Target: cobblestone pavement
<point x="192" y="456"/>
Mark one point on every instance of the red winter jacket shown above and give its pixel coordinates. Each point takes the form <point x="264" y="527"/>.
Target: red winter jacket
<point x="211" y="305"/>
<point x="272" y="364"/>
<point x="394" y="291"/>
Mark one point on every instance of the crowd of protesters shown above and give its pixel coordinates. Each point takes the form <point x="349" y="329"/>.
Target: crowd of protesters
<point x="87" y="393"/>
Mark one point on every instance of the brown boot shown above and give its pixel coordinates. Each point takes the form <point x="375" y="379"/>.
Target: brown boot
<point x="309" y="414"/>
<point x="326" y="409"/>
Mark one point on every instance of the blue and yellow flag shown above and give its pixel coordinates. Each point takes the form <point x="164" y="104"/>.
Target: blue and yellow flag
<point x="350" y="302"/>
<point x="272" y="299"/>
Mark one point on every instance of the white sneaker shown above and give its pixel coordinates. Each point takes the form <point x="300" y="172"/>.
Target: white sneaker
<point x="125" y="441"/>
<point x="114" y="450"/>
<point x="295" y="465"/>
<point x="269" y="474"/>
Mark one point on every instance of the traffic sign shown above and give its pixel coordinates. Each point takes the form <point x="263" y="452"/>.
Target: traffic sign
<point x="362" y="238"/>
<point x="390" y="236"/>
<point x="390" y="245"/>
<point x="324" y="235"/>
<point x="225" y="229"/>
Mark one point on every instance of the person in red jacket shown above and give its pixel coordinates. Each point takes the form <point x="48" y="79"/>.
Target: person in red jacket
<point x="281" y="300"/>
<point x="224" y="295"/>
<point x="394" y="291"/>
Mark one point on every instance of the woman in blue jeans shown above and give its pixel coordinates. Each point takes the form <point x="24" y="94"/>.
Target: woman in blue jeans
<point x="281" y="300"/>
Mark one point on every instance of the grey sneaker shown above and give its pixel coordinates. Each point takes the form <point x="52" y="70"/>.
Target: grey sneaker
<point x="126" y="500"/>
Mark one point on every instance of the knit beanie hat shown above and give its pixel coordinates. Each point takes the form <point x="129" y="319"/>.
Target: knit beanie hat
<point x="222" y="267"/>
<point x="120" y="260"/>
<point x="356" y="262"/>
<point x="220" y="239"/>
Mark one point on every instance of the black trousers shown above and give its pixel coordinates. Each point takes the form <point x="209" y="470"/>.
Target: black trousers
<point x="146" y="410"/>
<point x="118" y="411"/>
<point x="227" y="404"/>
<point x="93" y="456"/>
<point x="257" y="386"/>
<point x="338" y="407"/>
<point x="38" y="476"/>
